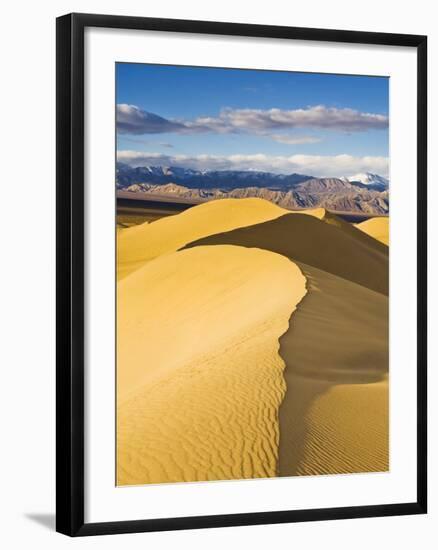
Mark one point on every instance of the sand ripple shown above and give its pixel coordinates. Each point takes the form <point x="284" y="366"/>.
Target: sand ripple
<point x="202" y="380"/>
<point x="334" y="415"/>
<point x="204" y="393"/>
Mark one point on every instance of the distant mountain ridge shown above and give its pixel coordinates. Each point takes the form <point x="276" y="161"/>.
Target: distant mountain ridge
<point x="289" y="191"/>
<point x="229" y="179"/>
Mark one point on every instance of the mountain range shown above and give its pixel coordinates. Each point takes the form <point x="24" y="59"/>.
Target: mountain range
<point x="367" y="193"/>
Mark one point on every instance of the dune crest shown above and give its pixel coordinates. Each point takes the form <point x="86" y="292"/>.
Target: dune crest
<point x="329" y="244"/>
<point x="378" y="228"/>
<point x="200" y="380"/>
<point x="141" y="243"/>
<point x="336" y="348"/>
<point x="319" y="213"/>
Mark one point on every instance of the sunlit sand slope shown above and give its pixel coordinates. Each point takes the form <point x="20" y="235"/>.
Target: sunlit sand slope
<point x="200" y="380"/>
<point x="333" y="247"/>
<point x="139" y="244"/>
<point x="378" y="228"/>
<point x="334" y="415"/>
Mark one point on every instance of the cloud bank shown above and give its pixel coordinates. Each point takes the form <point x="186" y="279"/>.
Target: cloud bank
<point x="312" y="165"/>
<point x="133" y="120"/>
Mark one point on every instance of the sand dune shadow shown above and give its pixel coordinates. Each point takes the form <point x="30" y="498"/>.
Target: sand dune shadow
<point x="338" y="335"/>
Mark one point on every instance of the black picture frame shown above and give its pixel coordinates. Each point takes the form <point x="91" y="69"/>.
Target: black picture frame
<point x="70" y="273"/>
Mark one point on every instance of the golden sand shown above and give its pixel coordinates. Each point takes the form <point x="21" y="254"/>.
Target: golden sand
<point x="328" y="244"/>
<point x="378" y="228"/>
<point x="141" y="243"/>
<point x="200" y="379"/>
<point x="336" y="349"/>
<point x="334" y="416"/>
<point x="346" y="431"/>
<point x="216" y="379"/>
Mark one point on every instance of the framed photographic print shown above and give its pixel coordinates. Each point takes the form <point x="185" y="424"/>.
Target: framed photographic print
<point x="241" y="274"/>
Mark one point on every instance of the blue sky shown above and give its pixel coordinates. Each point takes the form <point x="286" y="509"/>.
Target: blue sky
<point x="208" y="118"/>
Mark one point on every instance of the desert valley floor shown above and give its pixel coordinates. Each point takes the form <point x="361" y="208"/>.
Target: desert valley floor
<point x="252" y="342"/>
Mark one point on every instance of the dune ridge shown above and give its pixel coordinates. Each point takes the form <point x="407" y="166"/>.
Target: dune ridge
<point x="203" y="405"/>
<point x="141" y="243"/>
<point x="328" y="244"/>
<point x="334" y="415"/>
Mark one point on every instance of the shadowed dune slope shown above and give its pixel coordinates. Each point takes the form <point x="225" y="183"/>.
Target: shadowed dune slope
<point x="378" y="228"/>
<point x="335" y="248"/>
<point x="139" y="244"/>
<point x="200" y="380"/>
<point x="334" y="416"/>
<point x="144" y="242"/>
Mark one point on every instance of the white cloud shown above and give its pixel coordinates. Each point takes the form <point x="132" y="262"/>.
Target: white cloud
<point x="294" y="140"/>
<point x="133" y="120"/>
<point x="318" y="116"/>
<point x="312" y="165"/>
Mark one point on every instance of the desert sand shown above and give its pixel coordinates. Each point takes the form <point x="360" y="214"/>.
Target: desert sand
<point x="139" y="244"/>
<point x="329" y="244"/>
<point x="377" y="228"/>
<point x="336" y="350"/>
<point x="259" y="351"/>
<point x="336" y="353"/>
<point x="200" y="380"/>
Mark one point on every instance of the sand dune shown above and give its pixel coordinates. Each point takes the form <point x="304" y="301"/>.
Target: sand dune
<point x="200" y="380"/>
<point x="334" y="415"/>
<point x="216" y="380"/>
<point x="328" y="244"/>
<point x="378" y="228"/>
<point x="139" y="244"/>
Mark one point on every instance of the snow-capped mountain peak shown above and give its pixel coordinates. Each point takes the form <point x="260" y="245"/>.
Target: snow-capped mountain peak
<point x="368" y="178"/>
